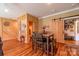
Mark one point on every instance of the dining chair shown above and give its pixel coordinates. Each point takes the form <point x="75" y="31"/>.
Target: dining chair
<point x="52" y="45"/>
<point x="39" y="41"/>
<point x="1" y="45"/>
<point x="34" y="45"/>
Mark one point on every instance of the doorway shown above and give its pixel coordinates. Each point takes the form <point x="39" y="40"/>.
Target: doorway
<point x="30" y="30"/>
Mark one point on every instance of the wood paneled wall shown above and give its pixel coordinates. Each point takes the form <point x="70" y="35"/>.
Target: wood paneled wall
<point x="45" y="22"/>
<point x="55" y="26"/>
<point x="8" y="29"/>
<point x="26" y="18"/>
<point x="22" y="20"/>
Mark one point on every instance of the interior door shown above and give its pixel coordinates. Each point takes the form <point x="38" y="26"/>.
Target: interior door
<point x="59" y="30"/>
<point x="30" y="29"/>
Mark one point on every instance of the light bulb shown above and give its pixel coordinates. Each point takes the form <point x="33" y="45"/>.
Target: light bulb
<point x="6" y="10"/>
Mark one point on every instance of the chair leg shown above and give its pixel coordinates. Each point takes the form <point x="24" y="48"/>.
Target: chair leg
<point x="52" y="52"/>
<point x="42" y="48"/>
<point x="34" y="47"/>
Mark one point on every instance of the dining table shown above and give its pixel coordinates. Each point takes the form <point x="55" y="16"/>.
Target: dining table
<point x="47" y="39"/>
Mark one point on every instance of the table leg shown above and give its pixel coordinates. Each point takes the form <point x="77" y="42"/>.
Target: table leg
<point x="47" y="46"/>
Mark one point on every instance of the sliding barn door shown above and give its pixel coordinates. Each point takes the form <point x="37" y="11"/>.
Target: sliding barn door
<point x="59" y="30"/>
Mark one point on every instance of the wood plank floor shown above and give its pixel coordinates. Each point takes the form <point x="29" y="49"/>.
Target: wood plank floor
<point x="15" y="48"/>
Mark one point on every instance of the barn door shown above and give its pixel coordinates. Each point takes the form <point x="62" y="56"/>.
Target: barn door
<point x="59" y="30"/>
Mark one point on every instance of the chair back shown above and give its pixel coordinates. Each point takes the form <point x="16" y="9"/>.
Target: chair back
<point x="39" y="36"/>
<point x="51" y="37"/>
<point x="33" y="35"/>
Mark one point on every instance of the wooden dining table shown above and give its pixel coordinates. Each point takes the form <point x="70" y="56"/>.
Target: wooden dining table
<point x="47" y="39"/>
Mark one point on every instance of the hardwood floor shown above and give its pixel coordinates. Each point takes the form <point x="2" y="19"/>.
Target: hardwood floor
<point x="15" y="48"/>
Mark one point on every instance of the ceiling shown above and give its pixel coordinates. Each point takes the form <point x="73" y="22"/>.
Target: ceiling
<point x="13" y="10"/>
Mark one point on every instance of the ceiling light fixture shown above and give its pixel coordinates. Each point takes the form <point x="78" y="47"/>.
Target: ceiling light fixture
<point x="73" y="4"/>
<point x="5" y="10"/>
<point x="48" y="3"/>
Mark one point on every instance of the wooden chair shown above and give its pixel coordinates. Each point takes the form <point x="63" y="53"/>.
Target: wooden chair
<point x="1" y="44"/>
<point x="39" y="41"/>
<point x="34" y="45"/>
<point x="52" y="45"/>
